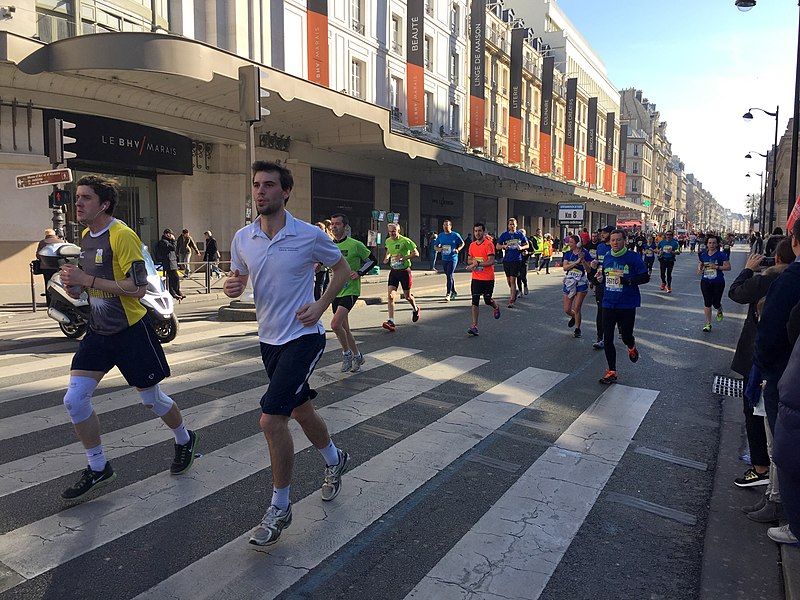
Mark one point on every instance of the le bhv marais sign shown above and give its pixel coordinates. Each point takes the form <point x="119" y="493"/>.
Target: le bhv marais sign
<point x="130" y="144"/>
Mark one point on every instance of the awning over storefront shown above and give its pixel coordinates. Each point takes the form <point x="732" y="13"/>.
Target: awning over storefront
<point x="191" y="88"/>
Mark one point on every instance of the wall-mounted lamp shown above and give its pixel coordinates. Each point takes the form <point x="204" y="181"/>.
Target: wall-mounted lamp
<point x="7" y="12"/>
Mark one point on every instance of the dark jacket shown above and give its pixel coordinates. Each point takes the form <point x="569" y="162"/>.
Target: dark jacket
<point x="749" y="288"/>
<point x="210" y="255"/>
<point x="786" y="449"/>
<point x="772" y="348"/>
<point x="165" y="253"/>
<point x="772" y="243"/>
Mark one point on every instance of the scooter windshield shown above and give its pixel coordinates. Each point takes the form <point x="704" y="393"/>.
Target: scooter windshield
<point x="153" y="278"/>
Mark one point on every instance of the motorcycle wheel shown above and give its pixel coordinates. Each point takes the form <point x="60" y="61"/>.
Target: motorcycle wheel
<point x="73" y="330"/>
<point x="165" y="330"/>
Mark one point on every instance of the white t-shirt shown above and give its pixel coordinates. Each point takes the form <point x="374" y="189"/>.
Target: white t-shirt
<point x="281" y="271"/>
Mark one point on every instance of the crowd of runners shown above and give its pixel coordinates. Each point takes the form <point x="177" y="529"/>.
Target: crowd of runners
<point x="298" y="270"/>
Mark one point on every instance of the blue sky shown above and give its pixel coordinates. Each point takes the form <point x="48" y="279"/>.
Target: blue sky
<point x="704" y="63"/>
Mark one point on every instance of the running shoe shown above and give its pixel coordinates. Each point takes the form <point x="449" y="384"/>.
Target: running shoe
<point x="663" y="285"/>
<point x="415" y="315"/>
<point x="447" y="297"/>
<point x="184" y="455"/>
<point x="599" y="345"/>
<point x="347" y="361"/>
<point x="275" y="520"/>
<point x="633" y="354"/>
<point x="526" y="288"/>
<point x="571" y="323"/>
<point x="358" y="360"/>
<point x="333" y="474"/>
<point x="669" y="290"/>
<point x="389" y="325"/>
<point x="609" y="377"/>
<point x="90" y="480"/>
<point x="757" y="506"/>
<point x="497" y="311"/>
<point x="453" y="295"/>
<point x="510" y="304"/>
<point x="473" y="330"/>
<point x="752" y="479"/>
<point x="720" y="316"/>
<point x="578" y="333"/>
<point x="707" y="327"/>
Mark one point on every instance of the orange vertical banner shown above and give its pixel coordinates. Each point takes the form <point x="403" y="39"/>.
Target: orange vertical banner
<point x="317" y="42"/>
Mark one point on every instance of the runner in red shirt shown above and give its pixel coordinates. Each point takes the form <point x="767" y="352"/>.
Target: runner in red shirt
<point x="480" y="260"/>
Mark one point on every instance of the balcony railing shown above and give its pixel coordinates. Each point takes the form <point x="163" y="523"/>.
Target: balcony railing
<point x="51" y="29"/>
<point x="397" y="115"/>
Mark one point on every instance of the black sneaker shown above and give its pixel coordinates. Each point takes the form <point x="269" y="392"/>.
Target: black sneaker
<point x="751" y="479"/>
<point x="184" y="455"/>
<point x="571" y="323"/>
<point x="333" y="477"/>
<point x="578" y="333"/>
<point x="415" y="315"/>
<point x="90" y="480"/>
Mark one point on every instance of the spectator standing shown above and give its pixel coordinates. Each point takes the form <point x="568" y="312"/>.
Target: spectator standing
<point x="166" y="254"/>
<point x="184" y="246"/>
<point x="773" y="241"/>
<point x="212" y="254"/>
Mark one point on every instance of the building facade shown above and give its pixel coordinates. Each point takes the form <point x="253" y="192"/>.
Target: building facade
<point x="373" y="107"/>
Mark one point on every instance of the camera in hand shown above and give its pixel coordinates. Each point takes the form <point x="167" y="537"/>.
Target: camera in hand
<point x="767" y="261"/>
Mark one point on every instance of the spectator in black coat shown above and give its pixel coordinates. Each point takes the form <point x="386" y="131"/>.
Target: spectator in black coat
<point x="167" y="255"/>
<point x="773" y="241"/>
<point x="212" y="254"/>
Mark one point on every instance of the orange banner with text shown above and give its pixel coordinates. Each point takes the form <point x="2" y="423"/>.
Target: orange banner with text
<point x="545" y="159"/>
<point x="569" y="162"/>
<point x="514" y="140"/>
<point x="318" y="66"/>
<point x="416" y="95"/>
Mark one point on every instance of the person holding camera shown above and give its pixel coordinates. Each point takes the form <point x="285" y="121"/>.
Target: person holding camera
<point x="750" y="287"/>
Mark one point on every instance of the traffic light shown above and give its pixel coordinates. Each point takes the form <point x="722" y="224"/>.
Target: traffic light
<point x="58" y="198"/>
<point x="250" y="93"/>
<point x="56" y="140"/>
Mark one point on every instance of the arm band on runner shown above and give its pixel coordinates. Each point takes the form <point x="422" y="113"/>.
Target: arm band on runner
<point x="366" y="267"/>
<point x="138" y="273"/>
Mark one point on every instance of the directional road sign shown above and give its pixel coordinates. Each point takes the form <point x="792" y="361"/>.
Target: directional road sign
<point x="52" y="177"/>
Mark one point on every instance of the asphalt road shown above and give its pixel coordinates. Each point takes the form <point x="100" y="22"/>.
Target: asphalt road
<point x="484" y="467"/>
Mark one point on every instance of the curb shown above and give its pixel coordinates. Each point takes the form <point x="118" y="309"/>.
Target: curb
<point x="790" y="563"/>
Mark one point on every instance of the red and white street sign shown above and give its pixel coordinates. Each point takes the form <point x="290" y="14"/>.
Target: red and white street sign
<point x="52" y="177"/>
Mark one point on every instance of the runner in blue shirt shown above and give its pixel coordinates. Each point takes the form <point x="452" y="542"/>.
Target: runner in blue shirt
<point x="449" y="244"/>
<point x="713" y="262"/>
<point x="512" y="242"/>
<point x="597" y="266"/>
<point x="622" y="273"/>
<point x="667" y="250"/>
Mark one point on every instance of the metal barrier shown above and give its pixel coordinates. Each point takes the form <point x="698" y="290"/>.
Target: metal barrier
<point x="203" y="276"/>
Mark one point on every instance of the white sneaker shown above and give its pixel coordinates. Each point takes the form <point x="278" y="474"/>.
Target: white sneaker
<point x="782" y="535"/>
<point x="358" y="360"/>
<point x="347" y="361"/>
<point x="274" y="521"/>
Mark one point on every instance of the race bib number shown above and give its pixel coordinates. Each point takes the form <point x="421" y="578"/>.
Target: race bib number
<point x="397" y="264"/>
<point x="573" y="274"/>
<point x="613" y="281"/>
<point x="593" y="253"/>
<point x="649" y="252"/>
<point x="478" y="263"/>
<point x="513" y="244"/>
<point x="667" y="249"/>
<point x="710" y="271"/>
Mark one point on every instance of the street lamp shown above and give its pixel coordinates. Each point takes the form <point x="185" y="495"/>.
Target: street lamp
<point x="744" y="6"/>
<point x="763" y="205"/>
<point x="748" y="116"/>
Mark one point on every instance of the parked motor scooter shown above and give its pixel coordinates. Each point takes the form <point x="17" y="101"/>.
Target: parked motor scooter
<point x="72" y="314"/>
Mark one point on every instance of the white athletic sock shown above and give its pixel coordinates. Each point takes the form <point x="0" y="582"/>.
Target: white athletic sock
<point x="280" y="497"/>
<point x="358" y="355"/>
<point x="331" y="454"/>
<point x="181" y="434"/>
<point x="97" y="458"/>
<point x="347" y="353"/>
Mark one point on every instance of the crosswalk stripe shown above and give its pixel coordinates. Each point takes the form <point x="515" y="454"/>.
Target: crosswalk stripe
<point x="53" y="384"/>
<point x="64" y="360"/>
<point x="46" y="466"/>
<point x="74" y="532"/>
<point x="548" y="504"/>
<point x="54" y="348"/>
<point x="367" y="494"/>
<point x="38" y="420"/>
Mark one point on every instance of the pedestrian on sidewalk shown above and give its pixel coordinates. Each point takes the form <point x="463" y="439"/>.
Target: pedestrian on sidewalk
<point x="212" y="254"/>
<point x="50" y="237"/>
<point x="278" y="252"/>
<point x="185" y="246"/>
<point x="166" y="255"/>
<point x="112" y="270"/>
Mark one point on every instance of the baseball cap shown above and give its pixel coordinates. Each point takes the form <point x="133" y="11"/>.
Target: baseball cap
<point x="607" y="229"/>
<point x="168" y="230"/>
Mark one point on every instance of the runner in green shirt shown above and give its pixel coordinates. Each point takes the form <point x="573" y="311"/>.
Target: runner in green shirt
<point x="361" y="260"/>
<point x="399" y="252"/>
